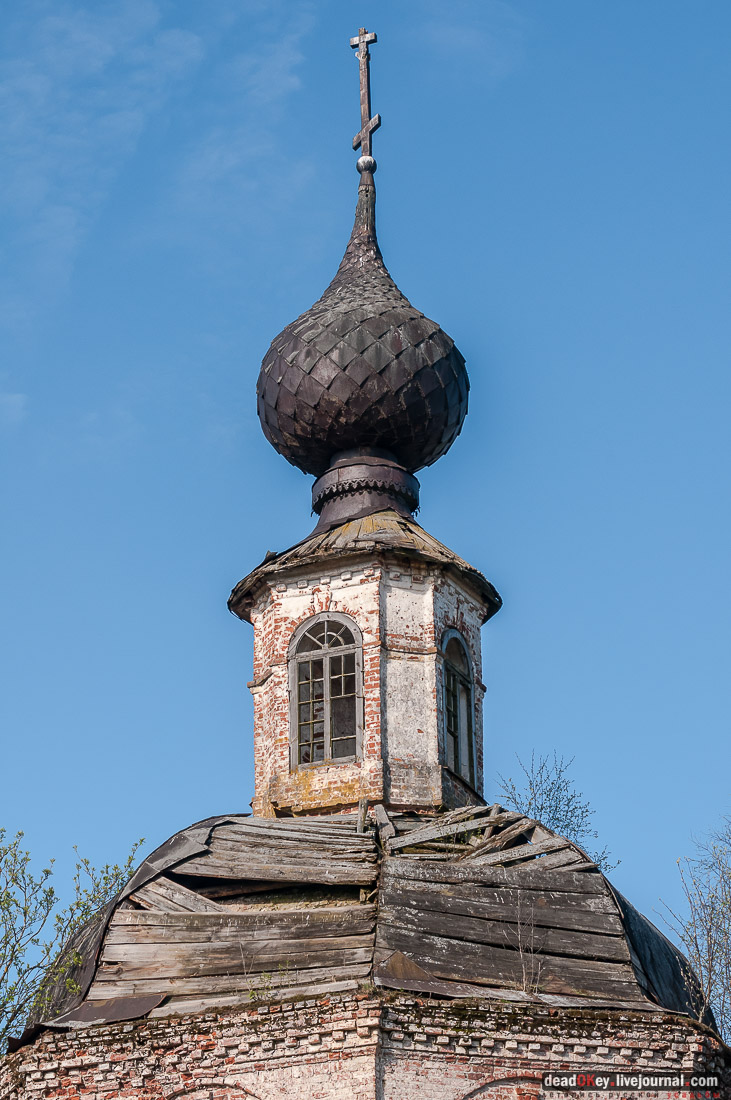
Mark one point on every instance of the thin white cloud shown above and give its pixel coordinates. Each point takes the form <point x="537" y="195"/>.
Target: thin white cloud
<point x="489" y="39"/>
<point x="245" y="158"/>
<point x="77" y="86"/>
<point x="80" y="80"/>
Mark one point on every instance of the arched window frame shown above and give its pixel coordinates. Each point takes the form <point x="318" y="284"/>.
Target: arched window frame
<point x="454" y="678"/>
<point x="294" y="660"/>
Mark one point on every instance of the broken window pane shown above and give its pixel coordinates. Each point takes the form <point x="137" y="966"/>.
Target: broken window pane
<point x="327" y="693"/>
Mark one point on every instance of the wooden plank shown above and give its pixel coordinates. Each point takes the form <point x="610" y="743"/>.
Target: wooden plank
<point x="248" y="938"/>
<point x="240" y="927"/>
<point x="171" y="897"/>
<point x="314" y="872"/>
<point x="386" y="828"/>
<point x="543" y="939"/>
<point x="407" y="824"/>
<point x="458" y="960"/>
<point x="527" y="877"/>
<point x="297" y="833"/>
<point x="462" y="813"/>
<point x="284" y="853"/>
<point x="495" y="811"/>
<point x="435" y="832"/>
<point x="513" y="855"/>
<point x="504" y="839"/>
<point x="314" y="822"/>
<point x="265" y="918"/>
<point x="252" y="860"/>
<point x="256" y="945"/>
<point x="552" y="910"/>
<point x="428" y="855"/>
<point x="197" y="960"/>
<point x="566" y="858"/>
<point x="223" y="983"/>
<point x="289" y="849"/>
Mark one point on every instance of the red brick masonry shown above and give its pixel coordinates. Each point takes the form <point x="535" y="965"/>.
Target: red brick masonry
<point x="364" y="1046"/>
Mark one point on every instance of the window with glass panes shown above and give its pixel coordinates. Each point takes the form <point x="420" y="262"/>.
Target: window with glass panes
<point x="458" y="725"/>
<point x="326" y="664"/>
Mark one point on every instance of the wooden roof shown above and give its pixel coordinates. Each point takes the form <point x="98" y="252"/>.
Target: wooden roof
<point x="380" y="532"/>
<point x="479" y="902"/>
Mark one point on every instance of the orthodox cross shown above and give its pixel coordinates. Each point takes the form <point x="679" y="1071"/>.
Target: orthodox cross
<point x="367" y="124"/>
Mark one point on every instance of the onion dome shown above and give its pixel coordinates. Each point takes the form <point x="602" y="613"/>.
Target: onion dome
<point x="362" y="388"/>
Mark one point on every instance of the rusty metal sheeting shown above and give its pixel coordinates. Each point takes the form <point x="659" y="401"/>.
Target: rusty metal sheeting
<point x="186" y="844"/>
<point x="401" y="972"/>
<point x="107" y="1012"/>
<point x="670" y="981"/>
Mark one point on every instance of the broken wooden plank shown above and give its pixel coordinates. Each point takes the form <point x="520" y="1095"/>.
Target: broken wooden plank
<point x="462" y="813"/>
<point x="505" y="838"/>
<point x="171" y="897"/>
<point x="384" y="824"/>
<point x="435" y="832"/>
<point x="512" y="855"/>
<point x="568" y="857"/>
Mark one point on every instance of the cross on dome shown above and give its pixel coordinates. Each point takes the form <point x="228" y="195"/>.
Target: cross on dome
<point x="362" y="390"/>
<point x="368" y="125"/>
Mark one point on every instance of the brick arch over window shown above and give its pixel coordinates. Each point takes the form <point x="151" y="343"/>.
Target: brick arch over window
<point x="458" y="707"/>
<point x="526" y="1088"/>
<point x="326" y="691"/>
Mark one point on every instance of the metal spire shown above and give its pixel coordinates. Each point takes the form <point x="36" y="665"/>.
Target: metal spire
<point x="367" y="124"/>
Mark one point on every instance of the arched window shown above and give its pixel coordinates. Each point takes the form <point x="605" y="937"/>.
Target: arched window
<point x="459" y="738"/>
<point x="326" y="691"/>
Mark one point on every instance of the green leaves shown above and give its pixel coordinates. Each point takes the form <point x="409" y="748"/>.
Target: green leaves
<point x="36" y="931"/>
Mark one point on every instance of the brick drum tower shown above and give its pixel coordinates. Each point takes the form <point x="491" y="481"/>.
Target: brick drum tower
<point x="374" y="930"/>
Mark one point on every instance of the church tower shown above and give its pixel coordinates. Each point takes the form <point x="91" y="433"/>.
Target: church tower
<point x="374" y="930"/>
<point x="367" y="662"/>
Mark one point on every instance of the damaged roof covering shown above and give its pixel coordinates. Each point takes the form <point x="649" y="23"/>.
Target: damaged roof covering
<point x="479" y="902"/>
<point x="381" y="532"/>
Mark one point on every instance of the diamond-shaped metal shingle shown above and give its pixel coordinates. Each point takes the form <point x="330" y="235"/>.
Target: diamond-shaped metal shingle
<point x="362" y="367"/>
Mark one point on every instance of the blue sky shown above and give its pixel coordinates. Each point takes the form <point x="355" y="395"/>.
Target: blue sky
<point x="553" y="189"/>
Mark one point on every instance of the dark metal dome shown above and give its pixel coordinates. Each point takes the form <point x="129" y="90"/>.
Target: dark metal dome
<point x="362" y="368"/>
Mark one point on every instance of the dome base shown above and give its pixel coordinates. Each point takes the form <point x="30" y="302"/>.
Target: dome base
<point x="362" y="481"/>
